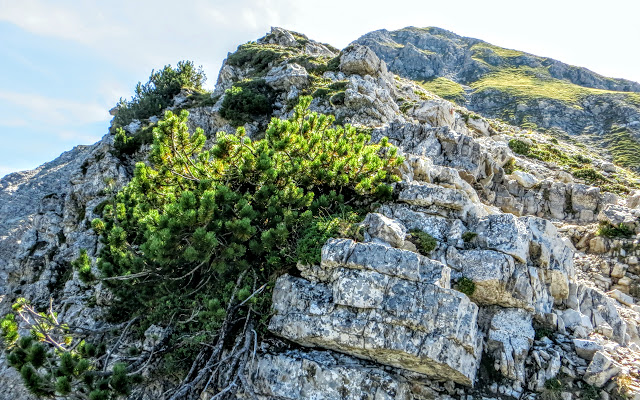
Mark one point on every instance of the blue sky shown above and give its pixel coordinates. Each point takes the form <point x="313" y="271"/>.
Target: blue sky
<point x="66" y="63"/>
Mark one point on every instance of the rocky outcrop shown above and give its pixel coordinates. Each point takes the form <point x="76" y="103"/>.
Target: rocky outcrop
<point x="293" y="375"/>
<point x="383" y="304"/>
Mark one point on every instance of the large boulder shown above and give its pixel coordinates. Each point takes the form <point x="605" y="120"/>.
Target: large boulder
<point x="327" y="375"/>
<point x="437" y="199"/>
<point x="361" y="60"/>
<point x="284" y="77"/>
<point x="500" y="280"/>
<point x="602" y="313"/>
<point x="616" y="215"/>
<point x="388" y="305"/>
<point x="633" y="201"/>
<point x="504" y="233"/>
<point x="601" y="369"/>
<point x="434" y="112"/>
<point x="379" y="227"/>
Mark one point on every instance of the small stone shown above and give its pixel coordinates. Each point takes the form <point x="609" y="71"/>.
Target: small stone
<point x="621" y="297"/>
<point x="586" y="348"/>
<point x="525" y="179"/>
<point x="618" y="270"/>
<point x="601" y="370"/>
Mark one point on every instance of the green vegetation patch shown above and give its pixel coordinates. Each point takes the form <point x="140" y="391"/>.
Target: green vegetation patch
<point x="466" y="286"/>
<point x="200" y="237"/>
<point x="154" y="96"/>
<point x="529" y="84"/>
<point x="258" y="56"/>
<point x="445" y="88"/>
<point x="624" y="148"/>
<point x="246" y="101"/>
<point x="423" y="241"/>
<point x="610" y="231"/>
<point x="482" y="50"/>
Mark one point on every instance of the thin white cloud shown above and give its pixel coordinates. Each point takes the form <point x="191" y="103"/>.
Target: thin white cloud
<point x="45" y="111"/>
<point x="149" y="32"/>
<point x="13" y="122"/>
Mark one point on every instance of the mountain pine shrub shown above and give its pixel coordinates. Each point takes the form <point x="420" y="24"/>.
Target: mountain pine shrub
<point x="155" y="95"/>
<point x="195" y="241"/>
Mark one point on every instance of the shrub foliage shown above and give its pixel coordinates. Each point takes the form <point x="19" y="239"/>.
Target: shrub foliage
<point x="155" y="95"/>
<point x="198" y="235"/>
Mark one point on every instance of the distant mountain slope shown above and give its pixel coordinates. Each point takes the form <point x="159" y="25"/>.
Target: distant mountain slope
<point x="519" y="88"/>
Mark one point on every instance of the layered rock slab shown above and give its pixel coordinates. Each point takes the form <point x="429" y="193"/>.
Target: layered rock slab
<point x="327" y="375"/>
<point x="388" y="305"/>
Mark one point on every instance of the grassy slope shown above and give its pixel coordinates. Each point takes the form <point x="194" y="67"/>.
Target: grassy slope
<point x="508" y="75"/>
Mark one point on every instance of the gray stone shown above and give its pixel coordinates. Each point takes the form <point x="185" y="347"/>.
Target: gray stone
<point x="633" y="201"/>
<point x="326" y="375"/>
<point x="504" y="233"/>
<point x="602" y="312"/>
<point x="618" y="215"/>
<point x="384" y="304"/>
<point x="586" y="348"/>
<point x="526" y="179"/>
<point x="361" y="60"/>
<point x="389" y="230"/>
<point x="601" y="369"/>
<point x="434" y="112"/>
<point x="286" y="76"/>
<point x="500" y="280"/>
<point x="510" y="338"/>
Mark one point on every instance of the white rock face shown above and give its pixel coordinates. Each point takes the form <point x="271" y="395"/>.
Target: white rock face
<point x="379" y="227"/>
<point x="633" y="201"/>
<point x="361" y="60"/>
<point x="369" y="101"/>
<point x="286" y="76"/>
<point x="434" y="112"/>
<point x="500" y="280"/>
<point x="327" y="375"/>
<point x="602" y="313"/>
<point x="395" y="308"/>
<point x="510" y="338"/>
<point x="504" y="233"/>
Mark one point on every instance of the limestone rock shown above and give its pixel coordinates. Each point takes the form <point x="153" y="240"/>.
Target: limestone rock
<point x="586" y="348"/>
<point x="601" y="369"/>
<point x="526" y="179"/>
<point x="441" y="198"/>
<point x="633" y="201"/>
<point x="407" y="265"/>
<point x="327" y="375"/>
<point x="510" y="338"/>
<point x="284" y="77"/>
<point x="369" y="101"/>
<point x="504" y="233"/>
<point x="434" y="112"/>
<point x="394" y="308"/>
<point x="382" y="228"/>
<point x="500" y="280"/>
<point x="361" y="60"/>
<point x="618" y="215"/>
<point x="602" y="313"/>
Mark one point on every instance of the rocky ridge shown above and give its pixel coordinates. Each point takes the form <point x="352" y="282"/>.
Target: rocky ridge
<point x="553" y="310"/>
<point x="521" y="88"/>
